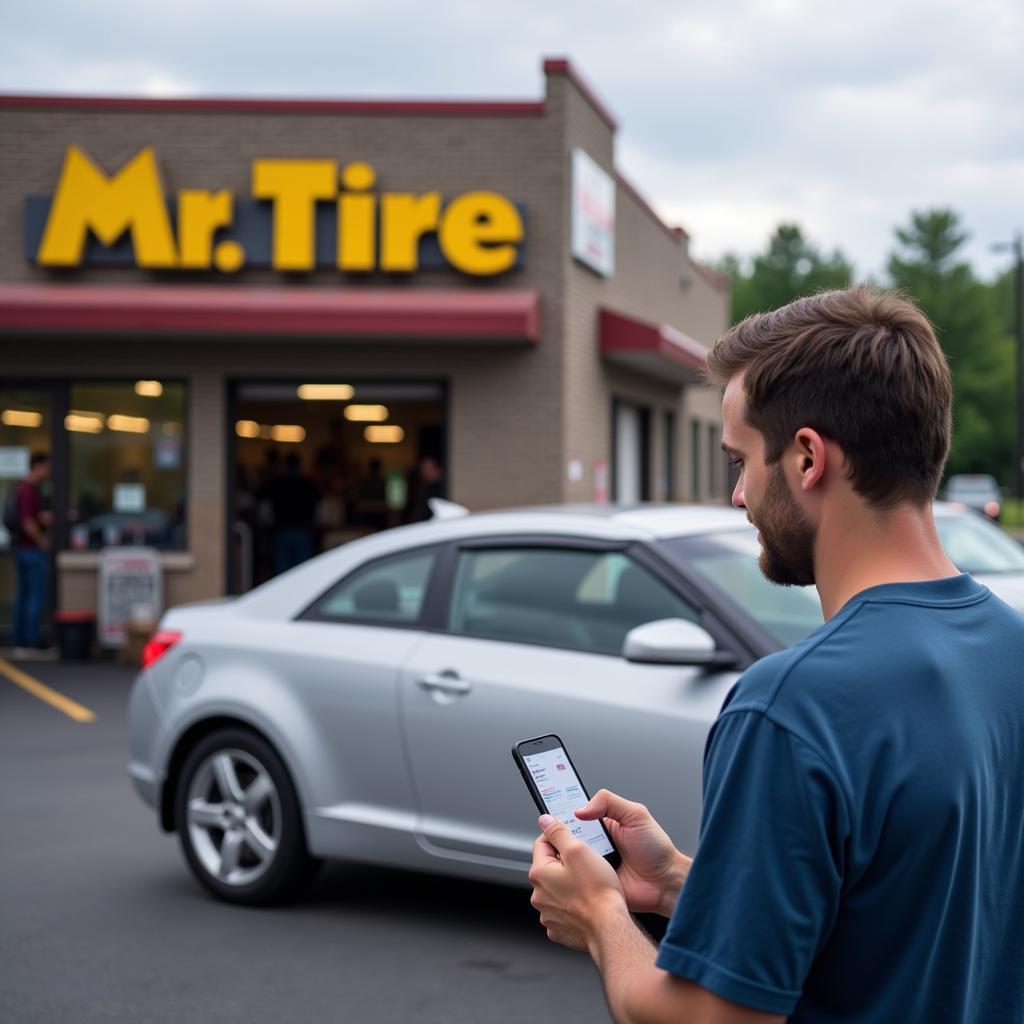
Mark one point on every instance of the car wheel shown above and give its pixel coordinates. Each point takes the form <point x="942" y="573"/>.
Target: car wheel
<point x="239" y="820"/>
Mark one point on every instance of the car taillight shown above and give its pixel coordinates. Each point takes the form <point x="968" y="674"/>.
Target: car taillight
<point x="158" y="645"/>
<point x="992" y="509"/>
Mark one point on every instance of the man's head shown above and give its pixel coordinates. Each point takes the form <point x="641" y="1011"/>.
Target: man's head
<point x="853" y="380"/>
<point x="39" y="466"/>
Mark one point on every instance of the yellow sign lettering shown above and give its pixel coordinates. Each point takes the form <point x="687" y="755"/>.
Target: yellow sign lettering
<point x="404" y="218"/>
<point x="200" y="214"/>
<point x="357" y="228"/>
<point x="294" y="186"/>
<point x="479" y="233"/>
<point x="87" y="200"/>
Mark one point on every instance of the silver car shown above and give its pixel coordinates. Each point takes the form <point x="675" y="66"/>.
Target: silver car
<point x="363" y="705"/>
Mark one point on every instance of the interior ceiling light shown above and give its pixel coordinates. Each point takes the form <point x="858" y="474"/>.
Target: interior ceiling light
<point x="21" y="418"/>
<point x="326" y="392"/>
<point x="149" y="388"/>
<point x="366" y="413"/>
<point x="289" y="432"/>
<point x="84" y="422"/>
<point x="128" y="424"/>
<point x="247" y="428"/>
<point x="384" y="434"/>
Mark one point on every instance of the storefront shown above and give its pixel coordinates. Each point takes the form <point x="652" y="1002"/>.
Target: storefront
<point x="250" y="330"/>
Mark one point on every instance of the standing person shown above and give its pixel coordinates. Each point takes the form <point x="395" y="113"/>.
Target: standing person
<point x="425" y="482"/>
<point x="294" y="498"/>
<point x="861" y="853"/>
<point x="31" y="557"/>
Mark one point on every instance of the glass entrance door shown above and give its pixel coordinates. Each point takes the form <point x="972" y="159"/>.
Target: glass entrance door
<point x="26" y="427"/>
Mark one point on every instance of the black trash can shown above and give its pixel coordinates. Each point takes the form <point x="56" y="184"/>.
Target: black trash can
<point x="75" y="632"/>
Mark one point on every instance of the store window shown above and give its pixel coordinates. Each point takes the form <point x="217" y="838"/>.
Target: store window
<point x="127" y="464"/>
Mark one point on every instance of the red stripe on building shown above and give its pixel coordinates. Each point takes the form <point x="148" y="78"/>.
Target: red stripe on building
<point x="255" y="105"/>
<point x="507" y="315"/>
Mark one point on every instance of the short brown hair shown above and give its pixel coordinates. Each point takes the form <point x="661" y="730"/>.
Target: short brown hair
<point x="864" y="369"/>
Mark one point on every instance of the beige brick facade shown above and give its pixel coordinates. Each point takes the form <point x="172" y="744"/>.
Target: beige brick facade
<point x="517" y="412"/>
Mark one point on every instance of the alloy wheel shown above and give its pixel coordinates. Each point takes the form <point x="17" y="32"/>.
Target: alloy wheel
<point x="233" y="813"/>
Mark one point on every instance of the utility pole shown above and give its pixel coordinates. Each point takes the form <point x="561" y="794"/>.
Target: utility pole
<point x="1017" y="248"/>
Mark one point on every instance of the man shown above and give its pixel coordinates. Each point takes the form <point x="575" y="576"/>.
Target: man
<point x="31" y="558"/>
<point x="861" y="853"/>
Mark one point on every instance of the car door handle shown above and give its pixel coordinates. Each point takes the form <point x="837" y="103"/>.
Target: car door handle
<point x="447" y="683"/>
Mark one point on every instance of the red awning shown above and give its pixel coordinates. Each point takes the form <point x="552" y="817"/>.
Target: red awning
<point x="497" y="314"/>
<point x="656" y="350"/>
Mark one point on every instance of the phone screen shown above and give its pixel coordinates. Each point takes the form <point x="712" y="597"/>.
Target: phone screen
<point x="562" y="793"/>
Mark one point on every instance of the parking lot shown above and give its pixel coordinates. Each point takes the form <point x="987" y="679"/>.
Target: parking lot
<point x="101" y="920"/>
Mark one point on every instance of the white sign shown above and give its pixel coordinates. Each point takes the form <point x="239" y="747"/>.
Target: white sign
<point x="129" y="497"/>
<point x="13" y="463"/>
<point x="131" y="588"/>
<point x="593" y="214"/>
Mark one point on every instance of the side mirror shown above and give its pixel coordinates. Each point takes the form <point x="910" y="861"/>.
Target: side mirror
<point x="670" y="642"/>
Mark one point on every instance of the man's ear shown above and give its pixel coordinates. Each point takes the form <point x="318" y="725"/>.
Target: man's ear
<point x="812" y="457"/>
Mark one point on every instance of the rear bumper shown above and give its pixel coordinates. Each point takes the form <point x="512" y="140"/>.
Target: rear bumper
<point x="145" y="730"/>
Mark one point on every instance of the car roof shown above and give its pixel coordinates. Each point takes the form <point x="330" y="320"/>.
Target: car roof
<point x="643" y="522"/>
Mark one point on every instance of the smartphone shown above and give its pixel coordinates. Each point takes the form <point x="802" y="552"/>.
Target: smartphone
<point x="557" y="789"/>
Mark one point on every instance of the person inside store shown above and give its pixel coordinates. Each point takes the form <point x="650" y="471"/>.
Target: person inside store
<point x="31" y="546"/>
<point x="293" y="499"/>
<point x="371" y="495"/>
<point x="861" y="850"/>
<point x="426" y="481"/>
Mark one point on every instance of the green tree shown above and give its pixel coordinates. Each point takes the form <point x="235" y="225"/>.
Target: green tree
<point x="925" y="265"/>
<point x="789" y="267"/>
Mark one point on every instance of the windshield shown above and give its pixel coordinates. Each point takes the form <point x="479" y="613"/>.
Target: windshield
<point x="975" y="545"/>
<point x="728" y="562"/>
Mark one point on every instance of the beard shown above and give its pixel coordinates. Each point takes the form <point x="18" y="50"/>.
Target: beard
<point x="787" y="538"/>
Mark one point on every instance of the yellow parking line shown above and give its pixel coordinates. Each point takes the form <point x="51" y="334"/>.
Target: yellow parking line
<point x="57" y="700"/>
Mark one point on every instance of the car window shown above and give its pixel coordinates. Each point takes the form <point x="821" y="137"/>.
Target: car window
<point x="390" y="591"/>
<point x="977" y="546"/>
<point x="728" y="562"/>
<point x="557" y="597"/>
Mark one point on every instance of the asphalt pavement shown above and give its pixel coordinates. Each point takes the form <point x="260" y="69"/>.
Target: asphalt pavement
<point x="100" y="919"/>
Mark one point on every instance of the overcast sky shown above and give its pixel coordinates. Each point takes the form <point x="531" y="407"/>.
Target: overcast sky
<point x="734" y="115"/>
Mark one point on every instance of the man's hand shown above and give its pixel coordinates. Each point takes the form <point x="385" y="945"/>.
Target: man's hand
<point x="572" y="885"/>
<point x="653" y="870"/>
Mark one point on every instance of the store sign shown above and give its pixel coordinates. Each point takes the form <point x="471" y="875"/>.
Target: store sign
<point x="131" y="590"/>
<point x="593" y="214"/>
<point x="303" y="215"/>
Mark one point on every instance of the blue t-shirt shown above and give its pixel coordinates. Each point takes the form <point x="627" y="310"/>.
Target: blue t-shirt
<point x="861" y="852"/>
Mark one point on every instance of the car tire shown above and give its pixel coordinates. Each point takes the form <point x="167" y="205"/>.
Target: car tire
<point x="239" y="820"/>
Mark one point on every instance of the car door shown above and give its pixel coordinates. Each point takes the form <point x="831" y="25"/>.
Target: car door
<point x="531" y="646"/>
<point x="345" y="654"/>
